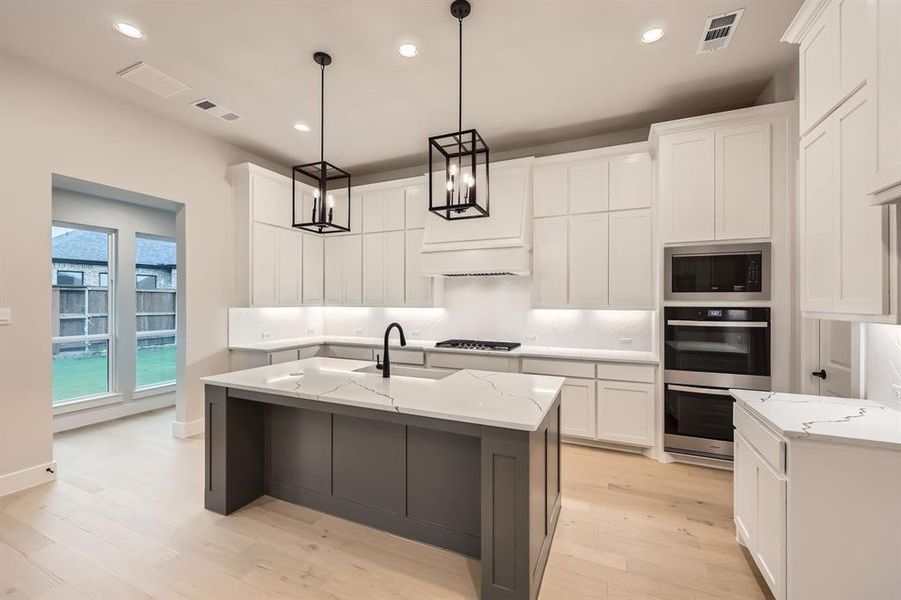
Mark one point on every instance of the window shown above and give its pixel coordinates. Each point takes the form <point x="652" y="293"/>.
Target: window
<point x="103" y="280"/>
<point x="81" y="315"/>
<point x="70" y="278"/>
<point x="156" y="311"/>
<point x="145" y="282"/>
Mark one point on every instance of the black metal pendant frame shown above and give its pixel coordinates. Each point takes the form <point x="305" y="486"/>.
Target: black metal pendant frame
<point x="464" y="155"/>
<point x="326" y="179"/>
<point x="329" y="181"/>
<point x="466" y="150"/>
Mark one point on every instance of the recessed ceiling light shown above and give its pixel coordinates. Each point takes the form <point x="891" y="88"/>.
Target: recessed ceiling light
<point x="652" y="35"/>
<point x="301" y="127"/>
<point x="129" y="30"/>
<point x="408" y="50"/>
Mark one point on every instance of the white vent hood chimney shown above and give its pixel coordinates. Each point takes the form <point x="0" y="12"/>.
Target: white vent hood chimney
<point x="498" y="245"/>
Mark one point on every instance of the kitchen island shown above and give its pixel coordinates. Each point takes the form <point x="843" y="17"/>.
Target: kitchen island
<point x="464" y="460"/>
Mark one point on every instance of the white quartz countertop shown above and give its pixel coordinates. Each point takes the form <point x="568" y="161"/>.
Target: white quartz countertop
<point x="628" y="356"/>
<point x="508" y="400"/>
<point x="845" y="420"/>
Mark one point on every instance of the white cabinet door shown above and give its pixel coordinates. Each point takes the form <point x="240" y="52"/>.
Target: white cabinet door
<point x="549" y="262"/>
<point x="290" y="267"/>
<point x="818" y="70"/>
<point x="769" y="550"/>
<point x="588" y="260"/>
<point x="549" y="190"/>
<point x="333" y="247"/>
<point x="416" y="202"/>
<point x="745" y="493"/>
<point x="353" y="270"/>
<point x="418" y="288"/>
<point x="373" y="269"/>
<point x="312" y="269"/>
<point x="373" y="212"/>
<point x="577" y="408"/>
<point x="631" y="182"/>
<point x="631" y="259"/>
<point x="852" y="45"/>
<point x="884" y="83"/>
<point x="393" y="203"/>
<point x="687" y="186"/>
<point x="742" y="200"/>
<point x="626" y="412"/>
<point x="816" y="215"/>
<point x="271" y="200"/>
<point x="394" y="268"/>
<point x="264" y="277"/>
<point x="860" y="238"/>
<point x="588" y="186"/>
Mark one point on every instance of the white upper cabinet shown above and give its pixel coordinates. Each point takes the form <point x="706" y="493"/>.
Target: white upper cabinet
<point x="394" y="271"/>
<point x="416" y="201"/>
<point x="549" y="264"/>
<point x="353" y="270"/>
<point x="419" y="289"/>
<point x="333" y="248"/>
<point x="373" y="269"/>
<point x="884" y="84"/>
<point x="271" y="200"/>
<point x="631" y="276"/>
<point x="264" y="278"/>
<point x="395" y="209"/>
<point x="312" y="268"/>
<point x="373" y="211"/>
<point x="549" y="190"/>
<point x="832" y="55"/>
<point x="289" y="260"/>
<point x="721" y="176"/>
<point x="588" y="260"/>
<point x="742" y="192"/>
<point x="589" y="183"/>
<point x="631" y="182"/>
<point x="687" y="186"/>
<point x="815" y="168"/>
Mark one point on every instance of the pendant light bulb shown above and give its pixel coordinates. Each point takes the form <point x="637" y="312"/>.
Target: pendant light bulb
<point x="453" y="169"/>
<point x="450" y="185"/>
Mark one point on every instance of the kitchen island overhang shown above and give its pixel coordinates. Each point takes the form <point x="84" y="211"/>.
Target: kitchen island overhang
<point x="469" y="462"/>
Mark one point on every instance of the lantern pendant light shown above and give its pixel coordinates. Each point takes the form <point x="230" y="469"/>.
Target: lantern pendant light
<point x="330" y="185"/>
<point x="458" y="161"/>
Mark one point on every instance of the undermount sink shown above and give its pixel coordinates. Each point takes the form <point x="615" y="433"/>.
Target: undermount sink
<point x="402" y="371"/>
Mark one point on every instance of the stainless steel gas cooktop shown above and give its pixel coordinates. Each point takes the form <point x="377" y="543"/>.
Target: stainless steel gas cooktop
<point x="478" y="345"/>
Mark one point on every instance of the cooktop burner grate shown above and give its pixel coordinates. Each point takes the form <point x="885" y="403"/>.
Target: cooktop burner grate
<point x="478" y="345"/>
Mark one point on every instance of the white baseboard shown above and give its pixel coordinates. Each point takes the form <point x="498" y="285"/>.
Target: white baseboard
<point x="26" y="478"/>
<point x="182" y="429"/>
<point x="99" y="414"/>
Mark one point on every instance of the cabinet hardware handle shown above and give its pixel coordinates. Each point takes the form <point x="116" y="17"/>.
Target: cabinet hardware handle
<point x="821" y="373"/>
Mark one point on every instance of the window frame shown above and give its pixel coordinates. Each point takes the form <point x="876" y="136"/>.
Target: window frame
<point x="70" y="271"/>
<point x="138" y="275"/>
<point x="160" y="387"/>
<point x="112" y="394"/>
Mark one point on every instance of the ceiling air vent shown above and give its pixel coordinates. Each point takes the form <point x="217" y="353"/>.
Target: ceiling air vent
<point x="210" y="107"/>
<point x="718" y="31"/>
<point x="151" y="78"/>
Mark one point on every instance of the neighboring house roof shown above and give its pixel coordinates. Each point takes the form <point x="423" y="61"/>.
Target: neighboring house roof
<point x="91" y="246"/>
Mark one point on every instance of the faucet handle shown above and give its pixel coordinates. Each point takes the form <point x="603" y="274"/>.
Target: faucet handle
<point x="378" y="364"/>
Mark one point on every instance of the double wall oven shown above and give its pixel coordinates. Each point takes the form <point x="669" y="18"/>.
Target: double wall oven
<point x="708" y="350"/>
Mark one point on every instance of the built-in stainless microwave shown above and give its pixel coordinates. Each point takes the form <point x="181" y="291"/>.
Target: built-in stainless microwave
<point x="716" y="273"/>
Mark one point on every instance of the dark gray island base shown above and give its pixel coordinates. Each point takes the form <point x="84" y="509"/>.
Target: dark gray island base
<point x="487" y="492"/>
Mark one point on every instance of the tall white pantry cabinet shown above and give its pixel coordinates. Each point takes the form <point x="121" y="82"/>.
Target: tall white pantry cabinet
<point x="850" y="158"/>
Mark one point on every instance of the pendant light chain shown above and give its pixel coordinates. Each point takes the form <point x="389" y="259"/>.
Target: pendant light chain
<point x="460" y="81"/>
<point x="322" y="114"/>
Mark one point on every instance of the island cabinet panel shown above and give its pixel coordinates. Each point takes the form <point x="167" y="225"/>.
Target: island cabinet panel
<point x="486" y="492"/>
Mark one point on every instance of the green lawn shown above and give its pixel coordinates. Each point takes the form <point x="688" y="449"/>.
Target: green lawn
<point x="78" y="377"/>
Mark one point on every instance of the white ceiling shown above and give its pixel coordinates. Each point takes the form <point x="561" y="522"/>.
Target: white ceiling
<point x="535" y="72"/>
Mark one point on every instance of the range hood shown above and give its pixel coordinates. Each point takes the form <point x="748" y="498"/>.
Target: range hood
<point x="498" y="245"/>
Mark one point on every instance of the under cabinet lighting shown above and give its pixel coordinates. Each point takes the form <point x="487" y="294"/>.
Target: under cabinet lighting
<point x="652" y="35"/>
<point x="129" y="30"/>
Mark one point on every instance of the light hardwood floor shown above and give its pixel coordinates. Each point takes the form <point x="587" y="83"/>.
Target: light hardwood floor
<point x="126" y="520"/>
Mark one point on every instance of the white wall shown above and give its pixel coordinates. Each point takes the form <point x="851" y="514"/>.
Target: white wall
<point x="492" y="308"/>
<point x="51" y="125"/>
<point x="882" y="362"/>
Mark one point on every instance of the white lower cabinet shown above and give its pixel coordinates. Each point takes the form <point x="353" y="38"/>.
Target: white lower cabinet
<point x="625" y="412"/>
<point x="577" y="408"/>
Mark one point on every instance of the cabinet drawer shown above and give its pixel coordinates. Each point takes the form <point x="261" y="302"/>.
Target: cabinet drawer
<point x="282" y="356"/>
<point x="563" y="368"/>
<point x="407" y="357"/>
<point x="626" y="372"/>
<point x="463" y="361"/>
<point x="770" y="446"/>
<point x="351" y="352"/>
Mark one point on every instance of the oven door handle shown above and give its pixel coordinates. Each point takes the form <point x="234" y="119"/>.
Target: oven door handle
<point x="697" y="390"/>
<point x="730" y="324"/>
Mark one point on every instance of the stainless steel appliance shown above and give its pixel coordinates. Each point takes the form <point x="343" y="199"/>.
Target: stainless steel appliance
<point x="708" y="350"/>
<point x="478" y="345"/>
<point x="716" y="273"/>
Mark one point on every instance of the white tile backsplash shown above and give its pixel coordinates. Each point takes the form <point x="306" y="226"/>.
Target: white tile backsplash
<point x="493" y="308"/>
<point x="882" y="362"/>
